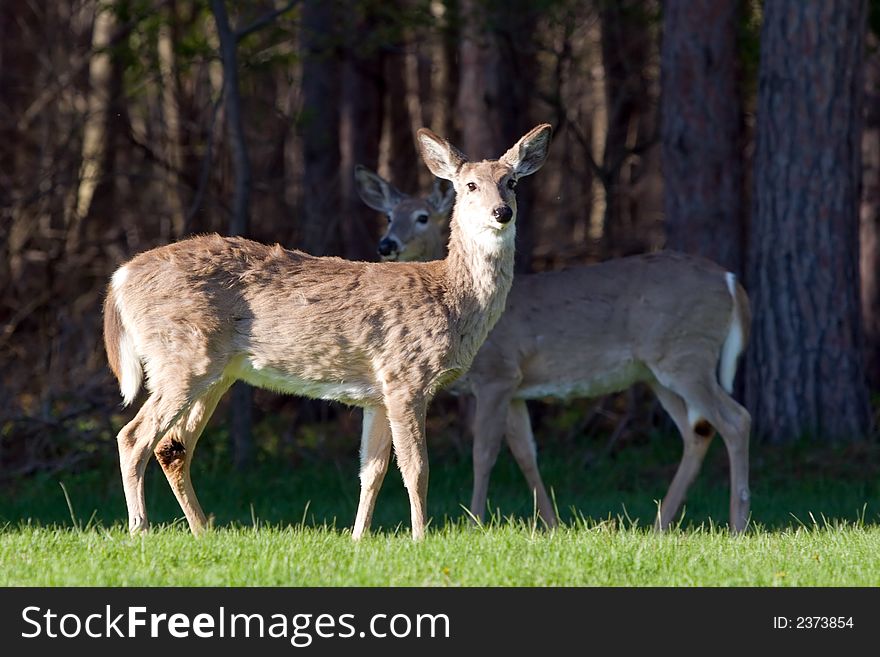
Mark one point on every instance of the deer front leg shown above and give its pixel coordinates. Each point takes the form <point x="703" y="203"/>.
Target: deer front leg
<point x="375" y="454"/>
<point x="407" y="421"/>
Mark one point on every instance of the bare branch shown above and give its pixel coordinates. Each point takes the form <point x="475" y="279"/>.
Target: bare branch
<point x="264" y="20"/>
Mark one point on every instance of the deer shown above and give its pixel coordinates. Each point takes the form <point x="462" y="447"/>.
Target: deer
<point x="675" y="322"/>
<point x="188" y="319"/>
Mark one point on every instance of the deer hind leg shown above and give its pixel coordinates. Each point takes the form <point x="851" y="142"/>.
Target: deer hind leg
<point x="707" y="400"/>
<point x="734" y="424"/>
<point x="490" y="415"/>
<point x="175" y="453"/>
<point x="375" y="455"/>
<point x="407" y="420"/>
<point x="521" y="441"/>
<point x="136" y="441"/>
<point x="696" y="444"/>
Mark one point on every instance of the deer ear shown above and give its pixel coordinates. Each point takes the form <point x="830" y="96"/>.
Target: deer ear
<point x="375" y="191"/>
<point x="443" y="159"/>
<point x="439" y="202"/>
<point x="530" y="152"/>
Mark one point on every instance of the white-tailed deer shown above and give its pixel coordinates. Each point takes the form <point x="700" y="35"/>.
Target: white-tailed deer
<point x="416" y="226"/>
<point x="197" y="315"/>
<point x="675" y="322"/>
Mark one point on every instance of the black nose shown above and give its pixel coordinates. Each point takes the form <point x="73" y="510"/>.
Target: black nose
<point x="502" y="214"/>
<point x="387" y="247"/>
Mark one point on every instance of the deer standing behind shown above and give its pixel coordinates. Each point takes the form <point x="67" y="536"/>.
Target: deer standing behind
<point x="675" y="322"/>
<point x="197" y="315"/>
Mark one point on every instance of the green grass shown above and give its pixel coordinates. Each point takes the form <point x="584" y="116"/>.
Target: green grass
<point x="455" y="555"/>
<point x="814" y="523"/>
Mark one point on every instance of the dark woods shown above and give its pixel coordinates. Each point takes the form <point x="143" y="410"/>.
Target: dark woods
<point x="748" y="134"/>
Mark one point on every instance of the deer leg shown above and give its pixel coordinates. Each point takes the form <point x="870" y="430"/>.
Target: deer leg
<point x="696" y="444"/>
<point x="734" y="424"/>
<point x="492" y="405"/>
<point x="521" y="441"/>
<point x="175" y="453"/>
<point x="407" y="420"/>
<point x="136" y="441"/>
<point x="375" y="455"/>
<point x="707" y="401"/>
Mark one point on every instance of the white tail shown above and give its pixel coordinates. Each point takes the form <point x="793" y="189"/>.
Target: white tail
<point x="130" y="370"/>
<point x="197" y="315"/>
<point x="675" y="322"/>
<point x="735" y="341"/>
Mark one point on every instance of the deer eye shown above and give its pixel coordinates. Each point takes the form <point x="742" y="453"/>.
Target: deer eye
<point x="511" y="184"/>
<point x="472" y="187"/>
<point x="422" y="218"/>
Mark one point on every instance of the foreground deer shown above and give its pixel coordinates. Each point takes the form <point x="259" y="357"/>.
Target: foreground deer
<point x="667" y="319"/>
<point x="197" y="315"/>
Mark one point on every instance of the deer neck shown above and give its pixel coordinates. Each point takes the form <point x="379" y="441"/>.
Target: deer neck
<point x="480" y="272"/>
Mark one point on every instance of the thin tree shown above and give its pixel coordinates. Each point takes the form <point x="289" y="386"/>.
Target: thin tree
<point x="361" y="128"/>
<point x="628" y="43"/>
<point x="319" y="123"/>
<point x="241" y="405"/>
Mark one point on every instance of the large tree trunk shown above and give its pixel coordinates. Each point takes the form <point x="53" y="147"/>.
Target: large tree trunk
<point x="320" y="128"/>
<point x="870" y="220"/>
<point x="806" y="370"/>
<point x="701" y="130"/>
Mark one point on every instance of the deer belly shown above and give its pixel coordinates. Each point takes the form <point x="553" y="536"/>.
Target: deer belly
<point x="355" y="393"/>
<point x="583" y="384"/>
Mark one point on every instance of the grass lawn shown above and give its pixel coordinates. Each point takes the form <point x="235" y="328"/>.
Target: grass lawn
<point x="814" y="523"/>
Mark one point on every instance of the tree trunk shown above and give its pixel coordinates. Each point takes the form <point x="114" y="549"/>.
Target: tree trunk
<point x="626" y="48"/>
<point x="806" y="370"/>
<point x="320" y="128"/>
<point x="241" y="406"/>
<point x="497" y="77"/>
<point x="701" y="130"/>
<point x="105" y="123"/>
<point x="870" y="218"/>
<point x="446" y="81"/>
<point x="361" y="129"/>
<point x="403" y="160"/>
<point x="171" y="118"/>
<point x="517" y="72"/>
<point x="478" y="112"/>
<point x="239" y="222"/>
